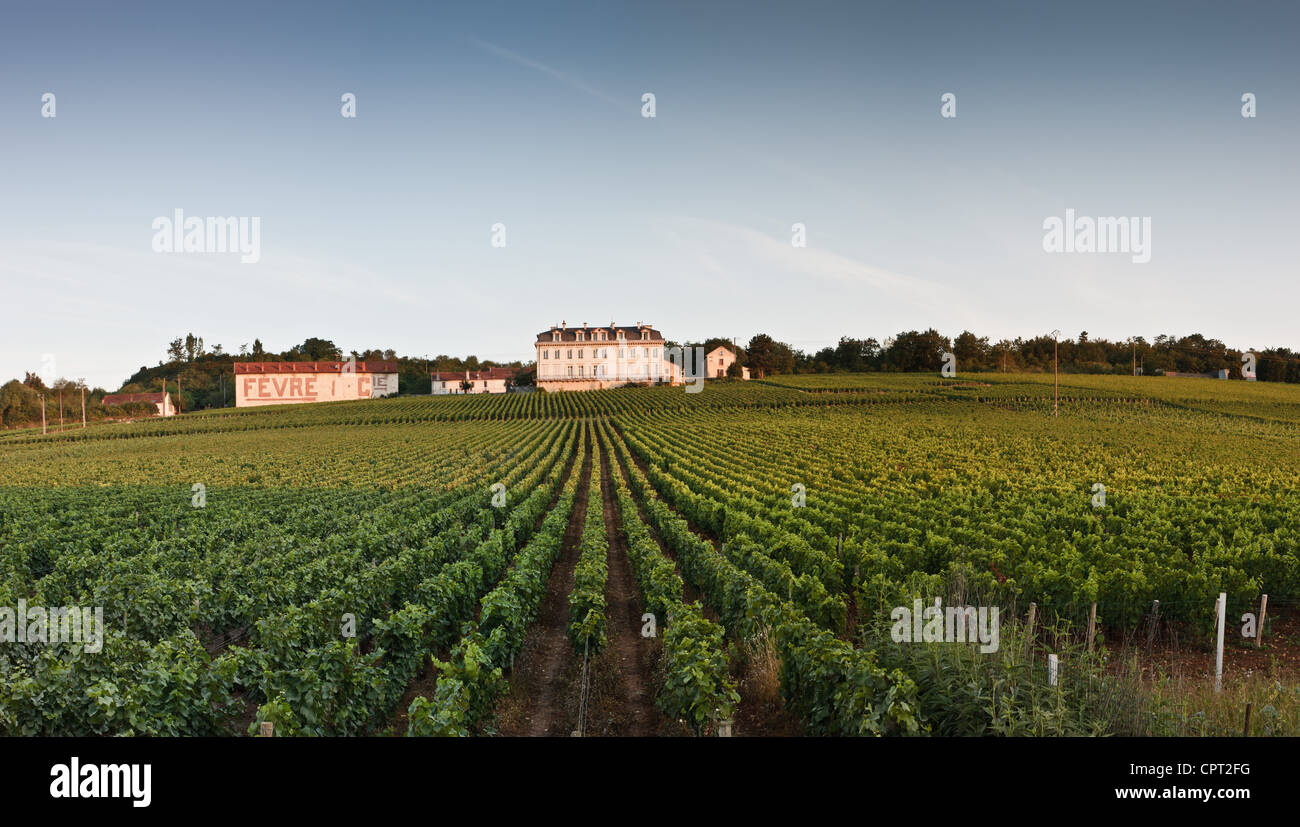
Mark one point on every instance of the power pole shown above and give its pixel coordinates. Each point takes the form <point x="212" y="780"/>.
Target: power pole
<point x="1135" y="357"/>
<point x="60" y="410"/>
<point x="42" y="414"/>
<point x="83" y="406"/>
<point x="1056" y="379"/>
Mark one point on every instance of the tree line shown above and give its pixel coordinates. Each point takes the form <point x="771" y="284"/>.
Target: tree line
<point x="200" y="377"/>
<point x="925" y="351"/>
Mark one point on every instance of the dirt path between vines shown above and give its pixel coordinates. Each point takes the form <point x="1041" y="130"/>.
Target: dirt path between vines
<point x="762" y="712"/>
<point x="628" y="707"/>
<point x="544" y="683"/>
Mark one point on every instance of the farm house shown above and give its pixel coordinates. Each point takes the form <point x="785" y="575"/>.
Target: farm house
<point x="162" y="401"/>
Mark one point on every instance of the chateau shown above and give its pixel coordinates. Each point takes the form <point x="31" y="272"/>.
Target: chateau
<point x="590" y="358"/>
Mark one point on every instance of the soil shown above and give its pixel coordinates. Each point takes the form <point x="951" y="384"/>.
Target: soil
<point x="629" y="708"/>
<point x="545" y="683"/>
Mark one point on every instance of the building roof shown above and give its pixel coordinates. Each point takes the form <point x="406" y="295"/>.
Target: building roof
<point x="721" y="347"/>
<point x="475" y="375"/>
<point x="124" y="398"/>
<point x="315" y="367"/>
<point x="570" y="334"/>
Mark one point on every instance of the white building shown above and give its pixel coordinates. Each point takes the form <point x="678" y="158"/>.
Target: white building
<point x="161" y="401"/>
<point x="281" y="383"/>
<point x="719" y="360"/>
<point x="492" y="380"/>
<point x="589" y="358"/>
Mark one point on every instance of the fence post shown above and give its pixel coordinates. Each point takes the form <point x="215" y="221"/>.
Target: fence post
<point x="1092" y="625"/>
<point x="1222" y="607"/>
<point x="267" y="730"/>
<point x="1053" y="663"/>
<point x="1245" y="730"/>
<point x="1029" y="636"/>
<point x="1155" y="618"/>
<point x="1259" y="630"/>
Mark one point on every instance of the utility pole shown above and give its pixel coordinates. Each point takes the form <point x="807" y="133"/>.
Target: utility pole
<point x="83" y="406"/>
<point x="42" y="414"/>
<point x="60" y="410"/>
<point x="1056" y="379"/>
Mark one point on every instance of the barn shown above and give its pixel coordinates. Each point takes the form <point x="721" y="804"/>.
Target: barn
<point x="284" y="383"/>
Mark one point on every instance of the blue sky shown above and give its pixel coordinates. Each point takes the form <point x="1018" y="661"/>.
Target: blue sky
<point x="375" y="231"/>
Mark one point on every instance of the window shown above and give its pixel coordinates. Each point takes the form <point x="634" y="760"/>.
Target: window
<point x="570" y="370"/>
<point x="555" y="337"/>
<point x="654" y="354"/>
<point x="645" y="335"/>
<point x="622" y="353"/>
<point x="557" y="354"/>
<point x="570" y="353"/>
<point x="546" y="354"/>
<point x="620" y="335"/>
<point x="579" y="354"/>
<point x="579" y="370"/>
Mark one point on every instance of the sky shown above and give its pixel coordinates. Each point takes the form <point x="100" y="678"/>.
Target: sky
<point x="377" y="231"/>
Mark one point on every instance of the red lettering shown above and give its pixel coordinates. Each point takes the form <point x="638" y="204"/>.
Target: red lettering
<point x="248" y="386"/>
<point x="295" y="386"/>
<point x="261" y="387"/>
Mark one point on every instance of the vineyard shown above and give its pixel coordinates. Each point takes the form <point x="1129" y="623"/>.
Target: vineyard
<point x="648" y="561"/>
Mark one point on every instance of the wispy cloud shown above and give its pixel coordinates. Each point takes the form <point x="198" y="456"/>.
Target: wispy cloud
<point x="537" y="66"/>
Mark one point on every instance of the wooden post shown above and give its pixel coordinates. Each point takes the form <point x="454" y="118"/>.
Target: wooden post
<point x="1245" y="730"/>
<point x="42" y="414"/>
<point x="1155" y="618"/>
<point x="1053" y="664"/>
<point x="724" y="729"/>
<point x="1092" y="626"/>
<point x="83" y="407"/>
<point x="1029" y="635"/>
<point x="1259" y="630"/>
<point x="1222" y="607"/>
<point x="267" y="729"/>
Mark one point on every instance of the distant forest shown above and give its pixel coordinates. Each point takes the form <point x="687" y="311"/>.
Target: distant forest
<point x="199" y="377"/>
<point x="921" y="351"/>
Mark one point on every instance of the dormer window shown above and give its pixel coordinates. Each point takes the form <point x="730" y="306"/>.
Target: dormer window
<point x="555" y="337"/>
<point x="645" y="335"/>
<point x="621" y="336"/>
<point x="579" y="335"/>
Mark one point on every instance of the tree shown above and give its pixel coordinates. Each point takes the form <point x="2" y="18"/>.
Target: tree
<point x="317" y="350"/>
<point x="176" y="350"/>
<point x="257" y="348"/>
<point x="972" y="351"/>
<point x="762" y="355"/>
<point x="914" y="351"/>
